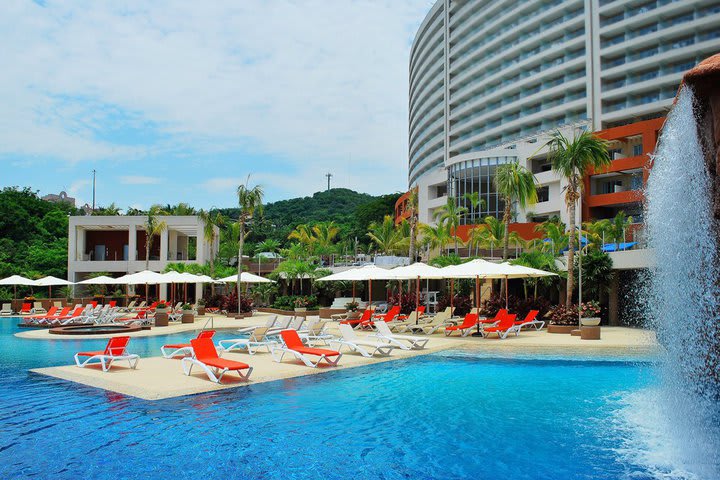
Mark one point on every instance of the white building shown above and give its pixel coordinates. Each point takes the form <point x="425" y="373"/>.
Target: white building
<point x="116" y="244"/>
<point x="489" y="78"/>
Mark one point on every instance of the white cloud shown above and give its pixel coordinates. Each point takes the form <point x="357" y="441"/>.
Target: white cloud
<point x="312" y="82"/>
<point x="139" y="180"/>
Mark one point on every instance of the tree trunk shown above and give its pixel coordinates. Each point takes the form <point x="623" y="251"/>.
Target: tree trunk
<point x="147" y="252"/>
<point x="411" y="250"/>
<point x="506" y="220"/>
<point x="571" y="255"/>
<point x="241" y="244"/>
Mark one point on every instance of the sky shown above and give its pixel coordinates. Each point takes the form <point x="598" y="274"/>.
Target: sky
<point x="179" y="101"/>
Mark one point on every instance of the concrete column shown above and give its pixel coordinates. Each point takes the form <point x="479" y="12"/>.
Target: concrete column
<point x="200" y="254"/>
<point x="198" y="291"/>
<point x="164" y="241"/>
<point x="163" y="292"/>
<point x="613" y="314"/>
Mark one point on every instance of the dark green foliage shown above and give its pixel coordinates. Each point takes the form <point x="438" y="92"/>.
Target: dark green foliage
<point x="33" y="234"/>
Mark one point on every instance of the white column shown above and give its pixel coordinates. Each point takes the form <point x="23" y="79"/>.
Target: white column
<point x="164" y="247"/>
<point x="201" y="244"/>
<point x="132" y="243"/>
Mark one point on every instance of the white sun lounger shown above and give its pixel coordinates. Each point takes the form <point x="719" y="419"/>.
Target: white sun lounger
<point x="355" y="343"/>
<point x="282" y="323"/>
<point x="257" y="339"/>
<point x="384" y="334"/>
<point x="268" y="324"/>
<point x="316" y="333"/>
<point x="440" y="320"/>
<point x="6" y="309"/>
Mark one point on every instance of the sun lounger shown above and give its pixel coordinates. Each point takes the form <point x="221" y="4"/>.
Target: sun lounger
<point x="294" y="346"/>
<point x="530" y="320"/>
<point x="177" y="349"/>
<point x="469" y="323"/>
<point x="384" y="334"/>
<point x="206" y="357"/>
<point x="271" y="320"/>
<point x="50" y="313"/>
<point x="38" y="308"/>
<point x="76" y="315"/>
<point x="366" y="348"/>
<point x="504" y="328"/>
<point x="257" y="339"/>
<point x="116" y="349"/>
<point x="366" y="316"/>
<point x="58" y="304"/>
<point x="440" y="320"/>
<point x="6" y="309"/>
<point x="26" y="309"/>
<point x="388" y="317"/>
<point x="316" y="333"/>
<point x="502" y="313"/>
<point x="282" y="323"/>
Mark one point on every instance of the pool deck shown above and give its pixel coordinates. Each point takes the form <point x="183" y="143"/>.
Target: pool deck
<point x="157" y="378"/>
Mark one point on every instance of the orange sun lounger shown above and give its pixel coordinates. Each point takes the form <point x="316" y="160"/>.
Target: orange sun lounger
<point x="294" y="346"/>
<point x="116" y="349"/>
<point x="469" y="322"/>
<point x="184" y="348"/>
<point x="207" y="358"/>
<point x="506" y="326"/>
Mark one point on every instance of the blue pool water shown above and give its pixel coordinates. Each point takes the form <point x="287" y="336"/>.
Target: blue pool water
<point x="452" y="415"/>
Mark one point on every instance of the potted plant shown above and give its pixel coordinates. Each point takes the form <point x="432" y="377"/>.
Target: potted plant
<point x="590" y="314"/>
<point x="352" y="306"/>
<point x="161" y="315"/>
<point x="187" y="313"/>
<point x="301" y="304"/>
<point x="201" y="306"/>
<point x="563" y="319"/>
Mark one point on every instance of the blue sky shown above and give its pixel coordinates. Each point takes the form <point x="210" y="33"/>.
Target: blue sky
<point x="176" y="101"/>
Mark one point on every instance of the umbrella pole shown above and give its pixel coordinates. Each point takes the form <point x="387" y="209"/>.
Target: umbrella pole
<point x="370" y="294"/>
<point x="477" y="307"/>
<point x="146" y="293"/>
<point x="417" y="300"/>
<point x="353" y="290"/>
<point x="506" y="292"/>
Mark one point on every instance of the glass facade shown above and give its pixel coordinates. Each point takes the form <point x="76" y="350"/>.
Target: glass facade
<point x="476" y="176"/>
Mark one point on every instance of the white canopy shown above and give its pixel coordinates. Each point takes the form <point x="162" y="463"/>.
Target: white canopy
<point x="416" y="270"/>
<point x="174" y="277"/>
<point x="101" y="280"/>
<point x="246" y="277"/>
<point x="524" y="272"/>
<point x="366" y="272"/>
<point x="145" y="277"/>
<point x="204" y="279"/>
<point x="17" y="280"/>
<point x="51" y="281"/>
<point x="479" y="268"/>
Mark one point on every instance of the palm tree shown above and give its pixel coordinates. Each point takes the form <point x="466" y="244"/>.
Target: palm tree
<point x="250" y="201"/>
<point x="618" y="226"/>
<point x="211" y="221"/>
<point x="181" y="209"/>
<point x="572" y="159"/>
<point x="412" y="202"/>
<point x="324" y="235"/>
<point x="304" y="234"/>
<point x="153" y="226"/>
<point x="268" y="245"/>
<point x="517" y="185"/>
<point x="437" y="236"/>
<point x="386" y="236"/>
<point x="476" y="203"/>
<point x="554" y="231"/>
<point x="450" y="214"/>
<point x="541" y="261"/>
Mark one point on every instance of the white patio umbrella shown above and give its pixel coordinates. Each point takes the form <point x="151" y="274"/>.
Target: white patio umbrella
<point x="16" y="280"/>
<point x="245" y="277"/>
<point x="417" y="271"/>
<point x="366" y="272"/>
<point x="101" y="280"/>
<point x="49" y="282"/>
<point x="145" y="277"/>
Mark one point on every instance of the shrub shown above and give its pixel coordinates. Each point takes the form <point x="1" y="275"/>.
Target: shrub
<point x="461" y="303"/>
<point x="288" y="302"/>
<point x="405" y="300"/>
<point x="229" y="303"/>
<point x="564" y="315"/>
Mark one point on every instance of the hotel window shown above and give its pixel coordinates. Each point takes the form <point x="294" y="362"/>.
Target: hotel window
<point x="543" y="194"/>
<point x="637" y="150"/>
<point x="611" y="186"/>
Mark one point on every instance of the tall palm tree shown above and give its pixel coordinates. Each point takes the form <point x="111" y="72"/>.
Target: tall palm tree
<point x="250" y="201"/>
<point x="412" y="202"/>
<point x="324" y="235"/>
<point x="304" y="234"/>
<point x="572" y="159"/>
<point x="517" y="185"/>
<point x="386" y="236"/>
<point x="211" y="221"/>
<point x="450" y="215"/>
<point x="153" y="226"/>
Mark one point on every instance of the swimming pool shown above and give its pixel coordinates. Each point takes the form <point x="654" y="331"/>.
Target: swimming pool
<point x="451" y="415"/>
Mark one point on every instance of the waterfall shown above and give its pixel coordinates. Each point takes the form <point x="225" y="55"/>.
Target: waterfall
<point x="682" y="295"/>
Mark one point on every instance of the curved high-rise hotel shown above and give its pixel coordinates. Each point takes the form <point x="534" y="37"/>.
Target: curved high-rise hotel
<point x="489" y="79"/>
